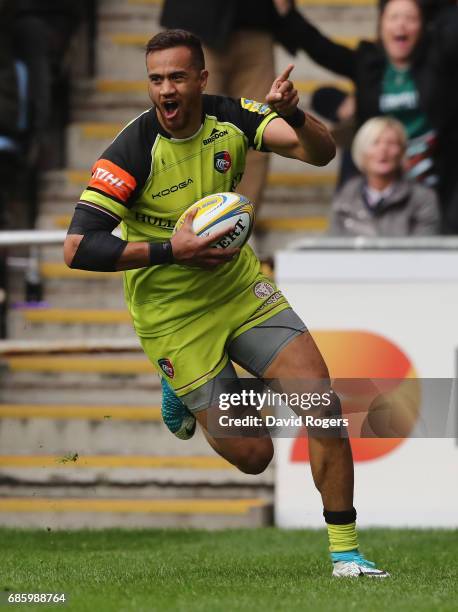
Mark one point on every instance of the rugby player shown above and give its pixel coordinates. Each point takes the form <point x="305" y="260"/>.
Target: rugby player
<point x="195" y="308"/>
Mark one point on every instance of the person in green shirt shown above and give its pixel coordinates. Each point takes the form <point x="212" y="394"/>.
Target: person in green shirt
<point x="195" y="307"/>
<point x="408" y="73"/>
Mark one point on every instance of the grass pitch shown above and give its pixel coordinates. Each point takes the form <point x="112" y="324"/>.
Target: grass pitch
<point x="235" y="570"/>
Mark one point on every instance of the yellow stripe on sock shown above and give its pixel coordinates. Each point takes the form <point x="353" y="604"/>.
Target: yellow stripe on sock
<point x="342" y="537"/>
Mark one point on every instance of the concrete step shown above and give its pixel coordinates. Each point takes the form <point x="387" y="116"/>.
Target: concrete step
<point x="73" y="469"/>
<point x="108" y="100"/>
<point x="77" y="412"/>
<point x="86" y="142"/>
<point x="42" y="323"/>
<point x="74" y="462"/>
<point x="108" y="391"/>
<point x="126" y="9"/>
<point x="135" y="38"/>
<point x="99" y="317"/>
<point x="82" y="373"/>
<point x="127" y="365"/>
<point x="78" y="512"/>
<point x="85" y="429"/>
<point x="59" y="270"/>
<point x="64" y="287"/>
<point x="81" y="292"/>
<point x="68" y="456"/>
<point x="63" y="186"/>
<point x="59" y="443"/>
<point x="124" y="29"/>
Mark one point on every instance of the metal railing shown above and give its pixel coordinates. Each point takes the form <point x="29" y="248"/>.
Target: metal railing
<point x="57" y="237"/>
<point x="32" y="238"/>
<point x="15" y="348"/>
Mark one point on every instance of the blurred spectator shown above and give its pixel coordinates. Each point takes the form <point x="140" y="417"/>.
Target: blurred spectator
<point x="409" y="74"/>
<point x="382" y="202"/>
<point x="9" y="115"/>
<point x="238" y="39"/>
<point x="8" y="84"/>
<point x="9" y="106"/>
<point x="431" y="9"/>
<point x="43" y="30"/>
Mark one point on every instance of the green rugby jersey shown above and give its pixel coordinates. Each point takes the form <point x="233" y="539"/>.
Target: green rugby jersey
<point x="146" y="179"/>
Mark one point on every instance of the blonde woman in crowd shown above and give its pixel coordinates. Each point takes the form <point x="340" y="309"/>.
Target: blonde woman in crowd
<point x="382" y="201"/>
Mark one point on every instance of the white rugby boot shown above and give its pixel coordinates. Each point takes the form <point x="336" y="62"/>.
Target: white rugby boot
<point x="352" y="564"/>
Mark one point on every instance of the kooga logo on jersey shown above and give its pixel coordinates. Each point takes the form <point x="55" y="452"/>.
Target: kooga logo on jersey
<point x="173" y="188"/>
<point x="214" y="136"/>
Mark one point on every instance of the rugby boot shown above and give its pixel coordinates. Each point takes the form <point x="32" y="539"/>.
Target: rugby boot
<point x="180" y="421"/>
<point x="352" y="564"/>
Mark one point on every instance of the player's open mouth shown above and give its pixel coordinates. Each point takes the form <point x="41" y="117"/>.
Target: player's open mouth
<point x="170" y="109"/>
<point x="401" y="39"/>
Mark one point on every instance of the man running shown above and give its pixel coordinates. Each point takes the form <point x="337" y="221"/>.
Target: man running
<point x="195" y="308"/>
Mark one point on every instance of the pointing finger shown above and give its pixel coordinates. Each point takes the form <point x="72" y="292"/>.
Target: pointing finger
<point x="285" y="74"/>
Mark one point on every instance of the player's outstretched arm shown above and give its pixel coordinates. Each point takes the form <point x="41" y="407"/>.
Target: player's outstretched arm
<point x="90" y="245"/>
<point x="297" y="134"/>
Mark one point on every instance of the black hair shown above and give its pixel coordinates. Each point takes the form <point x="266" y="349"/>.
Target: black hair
<point x="168" y="39"/>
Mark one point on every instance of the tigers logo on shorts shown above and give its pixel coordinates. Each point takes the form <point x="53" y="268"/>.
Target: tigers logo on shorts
<point x="167" y="367"/>
<point x="263" y="290"/>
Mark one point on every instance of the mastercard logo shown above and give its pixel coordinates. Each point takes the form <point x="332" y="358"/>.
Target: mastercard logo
<point x="357" y="356"/>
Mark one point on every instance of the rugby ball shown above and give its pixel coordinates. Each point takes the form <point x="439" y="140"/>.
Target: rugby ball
<point x="220" y="211"/>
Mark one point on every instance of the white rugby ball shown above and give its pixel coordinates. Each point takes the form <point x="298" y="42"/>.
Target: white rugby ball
<point x="220" y="211"/>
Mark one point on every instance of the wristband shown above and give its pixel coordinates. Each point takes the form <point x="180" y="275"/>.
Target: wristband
<point x="160" y="253"/>
<point x="296" y="120"/>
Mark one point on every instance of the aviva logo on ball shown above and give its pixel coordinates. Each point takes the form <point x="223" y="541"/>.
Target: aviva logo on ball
<point x="222" y="211"/>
